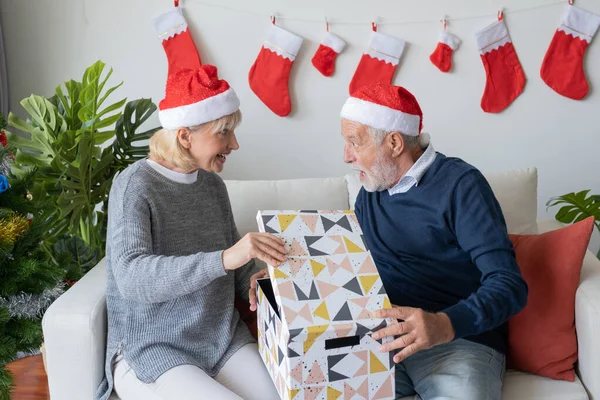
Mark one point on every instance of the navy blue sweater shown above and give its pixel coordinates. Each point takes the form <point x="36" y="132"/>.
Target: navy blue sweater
<point x="443" y="246"/>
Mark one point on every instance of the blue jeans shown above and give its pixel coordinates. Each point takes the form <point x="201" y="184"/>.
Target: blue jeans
<point x="457" y="370"/>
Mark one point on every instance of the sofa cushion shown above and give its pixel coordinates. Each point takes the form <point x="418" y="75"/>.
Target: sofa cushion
<point x="541" y="338"/>
<point x="524" y="386"/>
<point x="247" y="197"/>
<point x="515" y="190"/>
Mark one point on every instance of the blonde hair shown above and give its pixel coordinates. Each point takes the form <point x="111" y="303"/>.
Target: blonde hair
<point x="165" y="146"/>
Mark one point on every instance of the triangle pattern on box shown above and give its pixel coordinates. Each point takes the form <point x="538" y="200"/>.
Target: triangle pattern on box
<point x="343" y="314"/>
<point x="317" y="267"/>
<point x="314" y="295"/>
<point x="285" y="220"/>
<point x="385" y="391"/>
<point x="326" y="289"/>
<point x="354" y="286"/>
<point x="322" y="312"/>
<point x="352" y="247"/>
<point x="342" y="222"/>
<point x="367" y="282"/>
<point x="333" y="394"/>
<point x="375" y="364"/>
<point x="266" y="219"/>
<point x="311" y="240"/>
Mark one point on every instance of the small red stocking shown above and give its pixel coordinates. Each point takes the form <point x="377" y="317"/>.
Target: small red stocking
<point x="379" y="62"/>
<point x="562" y="68"/>
<point x="324" y="58"/>
<point x="442" y="55"/>
<point x="270" y="73"/>
<point x="505" y="79"/>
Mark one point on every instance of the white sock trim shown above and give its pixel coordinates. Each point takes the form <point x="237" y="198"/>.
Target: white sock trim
<point x="169" y="23"/>
<point x="385" y="48"/>
<point x="492" y="37"/>
<point x="284" y="43"/>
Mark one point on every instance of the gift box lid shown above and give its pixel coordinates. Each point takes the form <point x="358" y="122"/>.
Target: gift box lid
<point x="329" y="284"/>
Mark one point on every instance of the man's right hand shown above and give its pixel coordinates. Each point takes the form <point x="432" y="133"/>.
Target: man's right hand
<point x="264" y="246"/>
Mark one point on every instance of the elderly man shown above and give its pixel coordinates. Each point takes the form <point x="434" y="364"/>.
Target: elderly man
<point x="439" y="240"/>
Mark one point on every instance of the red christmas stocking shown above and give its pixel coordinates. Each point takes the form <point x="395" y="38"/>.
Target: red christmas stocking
<point x="270" y="73"/>
<point x="378" y="63"/>
<point x="505" y="79"/>
<point x="324" y="58"/>
<point x="562" y="68"/>
<point x="442" y="55"/>
<point x="179" y="46"/>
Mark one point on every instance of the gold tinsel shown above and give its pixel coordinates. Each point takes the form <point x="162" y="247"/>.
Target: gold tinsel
<point x="13" y="227"/>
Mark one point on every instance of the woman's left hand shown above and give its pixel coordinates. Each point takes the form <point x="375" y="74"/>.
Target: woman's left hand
<point x="252" y="294"/>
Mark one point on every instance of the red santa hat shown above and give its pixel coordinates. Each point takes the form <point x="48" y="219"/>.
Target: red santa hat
<point x="194" y="94"/>
<point x="386" y="107"/>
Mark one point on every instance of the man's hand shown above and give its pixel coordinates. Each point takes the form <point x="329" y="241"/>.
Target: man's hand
<point x="420" y="330"/>
<point x="252" y="293"/>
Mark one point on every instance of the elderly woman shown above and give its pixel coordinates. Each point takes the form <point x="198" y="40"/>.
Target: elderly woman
<point x="175" y="261"/>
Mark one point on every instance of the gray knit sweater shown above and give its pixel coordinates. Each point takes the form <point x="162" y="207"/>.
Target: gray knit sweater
<point x="170" y="301"/>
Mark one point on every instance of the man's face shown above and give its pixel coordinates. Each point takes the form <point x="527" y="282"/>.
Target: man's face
<point x="377" y="169"/>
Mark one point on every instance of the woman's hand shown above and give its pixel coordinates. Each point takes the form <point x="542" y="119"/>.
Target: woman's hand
<point x="264" y="246"/>
<point x="252" y="294"/>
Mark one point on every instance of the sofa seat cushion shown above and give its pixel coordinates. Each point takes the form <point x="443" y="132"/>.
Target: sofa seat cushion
<point x="521" y="385"/>
<point x="524" y="386"/>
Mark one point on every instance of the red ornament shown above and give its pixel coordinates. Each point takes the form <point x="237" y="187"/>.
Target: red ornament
<point x="3" y="139"/>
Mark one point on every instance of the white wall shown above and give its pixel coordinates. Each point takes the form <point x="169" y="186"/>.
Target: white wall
<point x="49" y="42"/>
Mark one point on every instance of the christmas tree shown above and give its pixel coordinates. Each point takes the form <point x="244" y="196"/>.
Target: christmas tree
<point x="29" y="279"/>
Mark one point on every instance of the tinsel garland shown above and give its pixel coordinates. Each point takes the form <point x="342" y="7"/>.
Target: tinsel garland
<point x="12" y="227"/>
<point x="31" y="306"/>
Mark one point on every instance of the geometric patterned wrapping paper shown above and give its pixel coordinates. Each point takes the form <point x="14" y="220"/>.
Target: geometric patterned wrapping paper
<point x="314" y="327"/>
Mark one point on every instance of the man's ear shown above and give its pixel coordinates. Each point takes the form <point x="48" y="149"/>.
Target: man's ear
<point x="395" y="143"/>
<point x="184" y="136"/>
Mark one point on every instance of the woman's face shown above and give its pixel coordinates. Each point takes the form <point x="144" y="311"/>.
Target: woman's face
<point x="208" y="148"/>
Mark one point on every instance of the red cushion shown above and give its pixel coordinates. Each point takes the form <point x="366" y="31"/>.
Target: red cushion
<point x="541" y="338"/>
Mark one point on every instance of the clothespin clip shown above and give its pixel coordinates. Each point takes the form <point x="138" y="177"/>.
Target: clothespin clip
<point x="444" y="22"/>
<point x="326" y="24"/>
<point x="374" y="25"/>
<point x="500" y="14"/>
<point x="571" y="2"/>
<point x="273" y="19"/>
<point x="176" y="3"/>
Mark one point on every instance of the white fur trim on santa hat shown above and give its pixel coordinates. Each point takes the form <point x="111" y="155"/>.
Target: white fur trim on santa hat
<point x="492" y="37"/>
<point x="380" y="117"/>
<point x="385" y="48"/>
<point x="449" y="39"/>
<point x="282" y="42"/>
<point x="424" y="139"/>
<point x="334" y="41"/>
<point x="169" y="24"/>
<point x="207" y="110"/>
<point x="579" y="23"/>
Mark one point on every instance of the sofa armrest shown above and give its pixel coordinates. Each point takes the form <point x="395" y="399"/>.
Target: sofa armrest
<point x="587" y="318"/>
<point x="587" y="322"/>
<point x="74" y="329"/>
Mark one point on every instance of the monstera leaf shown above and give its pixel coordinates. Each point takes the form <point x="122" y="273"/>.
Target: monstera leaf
<point x="576" y="207"/>
<point x="65" y="139"/>
<point x="126" y="148"/>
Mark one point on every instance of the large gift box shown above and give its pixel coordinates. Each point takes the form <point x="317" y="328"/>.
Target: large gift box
<point x="314" y="322"/>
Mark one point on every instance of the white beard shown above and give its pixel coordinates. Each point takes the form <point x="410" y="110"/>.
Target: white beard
<point x="382" y="176"/>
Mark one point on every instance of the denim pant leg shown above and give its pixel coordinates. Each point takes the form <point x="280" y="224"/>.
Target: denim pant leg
<point x="457" y="370"/>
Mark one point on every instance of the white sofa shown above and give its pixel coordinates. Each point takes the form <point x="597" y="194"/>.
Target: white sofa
<point x="75" y="325"/>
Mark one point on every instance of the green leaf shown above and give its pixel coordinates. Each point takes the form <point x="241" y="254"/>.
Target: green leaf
<point x="109" y="121"/>
<point x="117" y="106"/>
<point x="18" y="123"/>
<point x="576" y="207"/>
